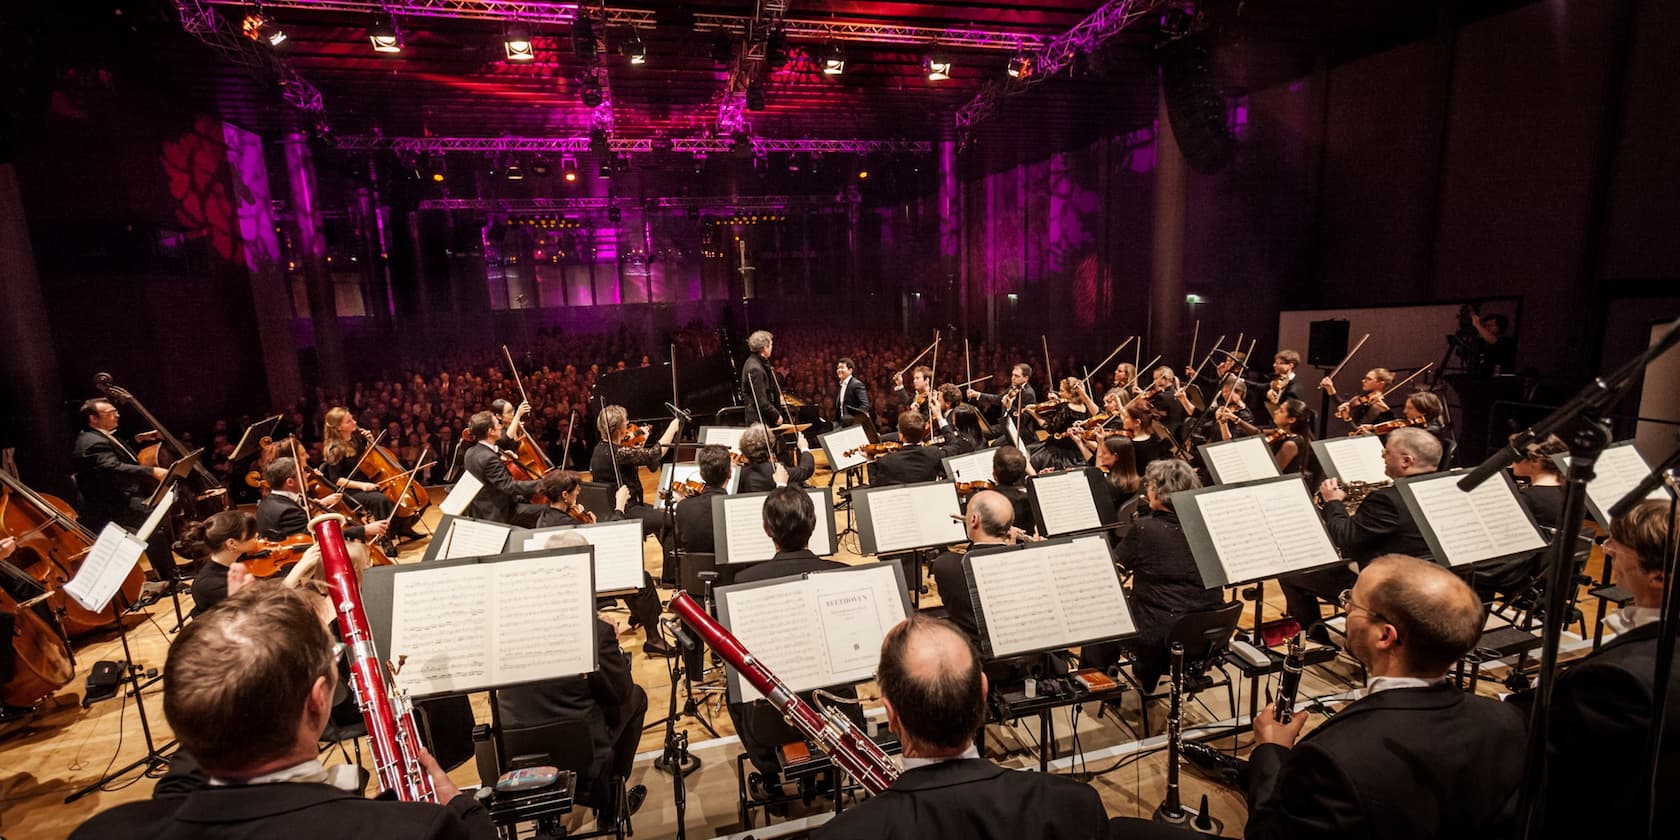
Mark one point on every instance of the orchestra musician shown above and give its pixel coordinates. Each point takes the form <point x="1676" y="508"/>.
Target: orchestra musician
<point x="920" y="398"/>
<point x="616" y="459"/>
<point x="1137" y="421"/>
<point x="1071" y="406"/>
<point x="499" y="499"/>
<point x="1541" y="491"/>
<point x="218" y="542"/>
<point x="852" y="404"/>
<point x="1371" y="406"/>
<point x="112" y="483"/>
<point x="1117" y="458"/>
<point x="513" y="423"/>
<point x="1230" y="406"/>
<point x="1425" y="410"/>
<point x="1124" y="379"/>
<point x="913" y="463"/>
<point x="1415" y="755"/>
<point x="1283" y="385"/>
<point x="988" y="521"/>
<point x="694" y="513"/>
<point x="759" y="390"/>
<point x="762" y="472"/>
<point x="1289" y="438"/>
<point x="1166" y="397"/>
<point x="1019" y="395"/>
<point x="1382" y="525"/>
<point x="281" y="513"/>
<point x="342" y="445"/>
<point x="1009" y="478"/>
<point x="562" y="487"/>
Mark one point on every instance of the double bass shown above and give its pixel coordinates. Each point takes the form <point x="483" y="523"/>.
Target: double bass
<point x="209" y="496"/>
<point x="41" y="661"/>
<point x="51" y="547"/>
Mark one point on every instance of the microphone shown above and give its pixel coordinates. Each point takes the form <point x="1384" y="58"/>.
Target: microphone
<point x="1645" y="486"/>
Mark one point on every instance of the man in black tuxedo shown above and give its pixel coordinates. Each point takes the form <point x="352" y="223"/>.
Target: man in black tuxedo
<point x="934" y="692"/>
<point x="498" y="499"/>
<point x="759" y="391"/>
<point x="1284" y="384"/>
<point x="1414" y="756"/>
<point x="988" y="520"/>
<point x="247" y="689"/>
<point x="1601" y="706"/>
<point x="763" y="472"/>
<point x="1009" y="475"/>
<point x="280" y="514"/>
<point x="912" y="464"/>
<point x="1019" y="395"/>
<point x="852" y="405"/>
<point x="694" y="513"/>
<point x="1383" y="525"/>
<point x="113" y="484"/>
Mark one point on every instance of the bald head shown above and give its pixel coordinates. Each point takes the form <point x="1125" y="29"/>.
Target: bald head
<point x="1437" y="614"/>
<point x="994" y="514"/>
<point x="930" y="677"/>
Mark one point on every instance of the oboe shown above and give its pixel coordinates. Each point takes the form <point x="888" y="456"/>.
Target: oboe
<point x="389" y="717"/>
<point x="1290" y="682"/>
<point x="847" y="746"/>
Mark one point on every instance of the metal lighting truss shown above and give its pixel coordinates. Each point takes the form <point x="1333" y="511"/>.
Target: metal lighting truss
<point x="530" y="11"/>
<point x="200" y="21"/>
<point x="616" y="145"/>
<point x="881" y="33"/>
<point x="732" y="105"/>
<point x="1057" y="54"/>
<point x="722" y="203"/>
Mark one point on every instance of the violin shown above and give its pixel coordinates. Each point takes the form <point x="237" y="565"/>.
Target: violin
<point x="1344" y="412"/>
<point x="1046" y="405"/>
<point x="875" y="450"/>
<point x="276" y="557"/>
<point x="1274" y="435"/>
<point x="633" y="435"/>
<point x="740" y="459"/>
<point x="51" y="547"/>
<point x="580" y="515"/>
<point x="965" y="488"/>
<point x="1385" y="428"/>
<point x="687" y="488"/>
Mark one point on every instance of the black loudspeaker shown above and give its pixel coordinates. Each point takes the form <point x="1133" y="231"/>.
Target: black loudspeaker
<point x="1195" y="104"/>
<point x="1327" y="343"/>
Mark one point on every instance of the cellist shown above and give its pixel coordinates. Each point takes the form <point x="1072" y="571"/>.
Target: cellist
<point x="343" y="443"/>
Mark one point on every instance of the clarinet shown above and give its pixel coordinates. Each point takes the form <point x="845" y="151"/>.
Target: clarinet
<point x="1290" y="682"/>
<point x="390" y="718"/>
<point x="847" y="746"/>
<point x="1171" y="811"/>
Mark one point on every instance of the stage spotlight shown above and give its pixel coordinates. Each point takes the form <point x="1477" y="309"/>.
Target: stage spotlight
<point x="583" y="37"/>
<point x="1020" y="66"/>
<point x="384" y="36"/>
<point x="514" y="173"/>
<point x="755" y="96"/>
<point x="260" y="27"/>
<point x="834" y="59"/>
<point x="591" y="92"/>
<point x="568" y="169"/>
<point x="775" y="49"/>
<point x="605" y="171"/>
<point x="434" y="169"/>
<point x="938" y="67"/>
<point x="539" y="168"/>
<point x="636" y="48"/>
<point x="863" y="174"/>
<point x="517" y="42"/>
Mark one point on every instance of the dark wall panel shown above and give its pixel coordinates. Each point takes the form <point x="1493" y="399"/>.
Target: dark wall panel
<point x="1645" y="202"/>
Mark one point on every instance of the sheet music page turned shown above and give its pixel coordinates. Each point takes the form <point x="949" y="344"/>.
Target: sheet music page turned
<point x="1065" y="501"/>
<point x="1243" y="459"/>
<point x="914" y="516"/>
<point x="469" y="627"/>
<point x="105" y="568"/>
<point x="473" y="538"/>
<point x="1485" y="523"/>
<point x="1049" y="596"/>
<point x="1356" y="458"/>
<point x="1618" y="470"/>
<point x="461" y="494"/>
<point x="838" y="443"/>
<point x="1264" y="529"/>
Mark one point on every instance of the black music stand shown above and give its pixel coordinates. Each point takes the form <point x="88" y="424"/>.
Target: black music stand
<point x="251" y="441"/>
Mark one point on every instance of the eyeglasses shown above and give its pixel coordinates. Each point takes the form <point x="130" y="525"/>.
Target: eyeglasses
<point x="1347" y="603"/>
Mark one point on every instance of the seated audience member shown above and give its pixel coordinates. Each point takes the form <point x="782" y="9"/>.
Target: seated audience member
<point x="607" y="701"/>
<point x="912" y="464"/>
<point x="1415" y="756"/>
<point x="934" y="692"/>
<point x="246" y="689"/>
<point x="1601" y="705"/>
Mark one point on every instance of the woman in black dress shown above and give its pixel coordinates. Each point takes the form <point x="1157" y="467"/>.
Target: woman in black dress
<point x="219" y="542"/>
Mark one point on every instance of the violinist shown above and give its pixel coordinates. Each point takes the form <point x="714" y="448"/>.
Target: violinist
<point x="1370" y="406"/>
<point x="762" y="473"/>
<point x="342" y="445"/>
<point x="619" y="458"/>
<point x="281" y="513"/>
<point x="1072" y="406"/>
<point x="694" y="513"/>
<point x="1230" y="407"/>
<point x="1125" y="379"/>
<point x="1426" y="411"/>
<point x="112" y="482"/>
<point x="1289" y="437"/>
<point x="1019" y="395"/>
<point x="759" y="391"/>
<point x="919" y="399"/>
<point x="1009" y="477"/>
<point x="1117" y="459"/>
<point x="914" y="462"/>
<point x="1138" y="424"/>
<point x="219" y="541"/>
<point x="1282" y="386"/>
<point x="499" y="499"/>
<point x="1166" y="396"/>
<point x="961" y="428"/>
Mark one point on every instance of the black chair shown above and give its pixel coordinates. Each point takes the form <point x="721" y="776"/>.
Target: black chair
<point x="567" y="745"/>
<point x="1205" y="636"/>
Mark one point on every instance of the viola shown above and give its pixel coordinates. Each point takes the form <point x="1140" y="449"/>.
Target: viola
<point x="276" y="557"/>
<point x="1385" y="428"/>
<point x="740" y="459"/>
<point x="965" y="488"/>
<point x="687" y="488"/>
<point x="1046" y="405"/>
<point x="41" y="661"/>
<point x="633" y="435"/>
<point x="51" y="548"/>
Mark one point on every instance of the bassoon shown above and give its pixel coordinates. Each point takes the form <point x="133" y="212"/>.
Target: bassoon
<point x="847" y="746"/>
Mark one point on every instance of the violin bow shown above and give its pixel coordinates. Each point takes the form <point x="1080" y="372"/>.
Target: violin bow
<point x="612" y="445"/>
<point x="1195" y="334"/>
<point x="919" y="356"/>
<point x="410" y="483"/>
<point x="1349" y="356"/>
<point x="1111" y="356"/>
<point x="297" y="473"/>
<point x="566" y="453"/>
<point x="968" y="367"/>
<point x="1396" y="387"/>
<point x="934" y="376"/>
<point x="366" y="452"/>
<point x="1198" y="372"/>
<point x="1049" y="376"/>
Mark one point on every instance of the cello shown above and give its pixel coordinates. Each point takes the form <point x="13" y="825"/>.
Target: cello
<point x="41" y="660"/>
<point x="386" y="470"/>
<point x="51" y="546"/>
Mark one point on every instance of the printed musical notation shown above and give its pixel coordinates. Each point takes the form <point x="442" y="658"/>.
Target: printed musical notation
<point x="1049" y="596"/>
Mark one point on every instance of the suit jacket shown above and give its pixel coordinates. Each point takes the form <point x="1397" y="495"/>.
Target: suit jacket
<point x="853" y="400"/>
<point x="1023" y="508"/>
<point x="974" y="798"/>
<point x="910" y="465"/>
<point x="597" y="699"/>
<point x="761" y="477"/>
<point x="1165" y="580"/>
<point x="279" y="517"/>
<point x="953" y="588"/>
<point x="499" y="498"/>
<point x="1596" y="739"/>
<point x="1404" y="763"/>
<point x="759" y="386"/>
<point x="1383" y="525"/>
<point x="787" y="564"/>
<point x="113" y="485"/>
<point x="694" y="521"/>
<point x="283" y="811"/>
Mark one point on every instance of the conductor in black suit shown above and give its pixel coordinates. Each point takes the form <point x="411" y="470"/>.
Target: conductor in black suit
<point x="759" y="391"/>
<point x="1415" y="756"/>
<point x="281" y="514"/>
<point x="694" y="513"/>
<point x="934" y="693"/>
<point x="852" y="405"/>
<point x="1382" y="525"/>
<point x="912" y="464"/>
<point x="498" y="499"/>
<point x="1601" y="706"/>
<point x="762" y="472"/>
<point x="247" y="690"/>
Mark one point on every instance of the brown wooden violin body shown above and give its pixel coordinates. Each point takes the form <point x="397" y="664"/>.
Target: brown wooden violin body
<point x="965" y="488"/>
<point x="875" y="450"/>
<point x="51" y="548"/>
<point x="276" y="557"/>
<point x="580" y="515"/>
<point x="1385" y="428"/>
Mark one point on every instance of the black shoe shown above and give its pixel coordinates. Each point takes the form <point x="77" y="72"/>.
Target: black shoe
<point x="634" y="797"/>
<point x="1211" y="762"/>
<point x="658" y="648"/>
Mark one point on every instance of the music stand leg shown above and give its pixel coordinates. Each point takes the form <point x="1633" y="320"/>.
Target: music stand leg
<point x="154" y="757"/>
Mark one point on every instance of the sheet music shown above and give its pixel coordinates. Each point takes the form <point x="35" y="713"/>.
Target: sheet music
<point x="1354" y="458"/>
<point x="1015" y="435"/>
<point x="1065" y="502"/>
<point x="473" y="538"/>
<point x="1049" y="596"/>
<point x="461" y="494"/>
<point x="837" y="443"/>
<point x="778" y="623"/>
<point x="106" y="567"/>
<point x="974" y="466"/>
<point x="914" y="516"/>
<point x="469" y="627"/>
<point x="856" y="609"/>
<point x="729" y="436"/>
<point x="1262" y="530"/>
<point x="743" y="539"/>
<point x="618" y="554"/>
<point x="1485" y="523"/>
<point x="1238" y="460"/>
<point x="155" y="518"/>
<point x="819" y="630"/>
<point x="1618" y="470"/>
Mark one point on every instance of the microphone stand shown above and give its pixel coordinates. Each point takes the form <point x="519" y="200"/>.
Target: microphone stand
<point x="677" y="760"/>
<point x="1582" y="425"/>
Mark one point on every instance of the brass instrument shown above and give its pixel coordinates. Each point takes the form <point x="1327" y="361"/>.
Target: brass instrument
<point x="1356" y="491"/>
